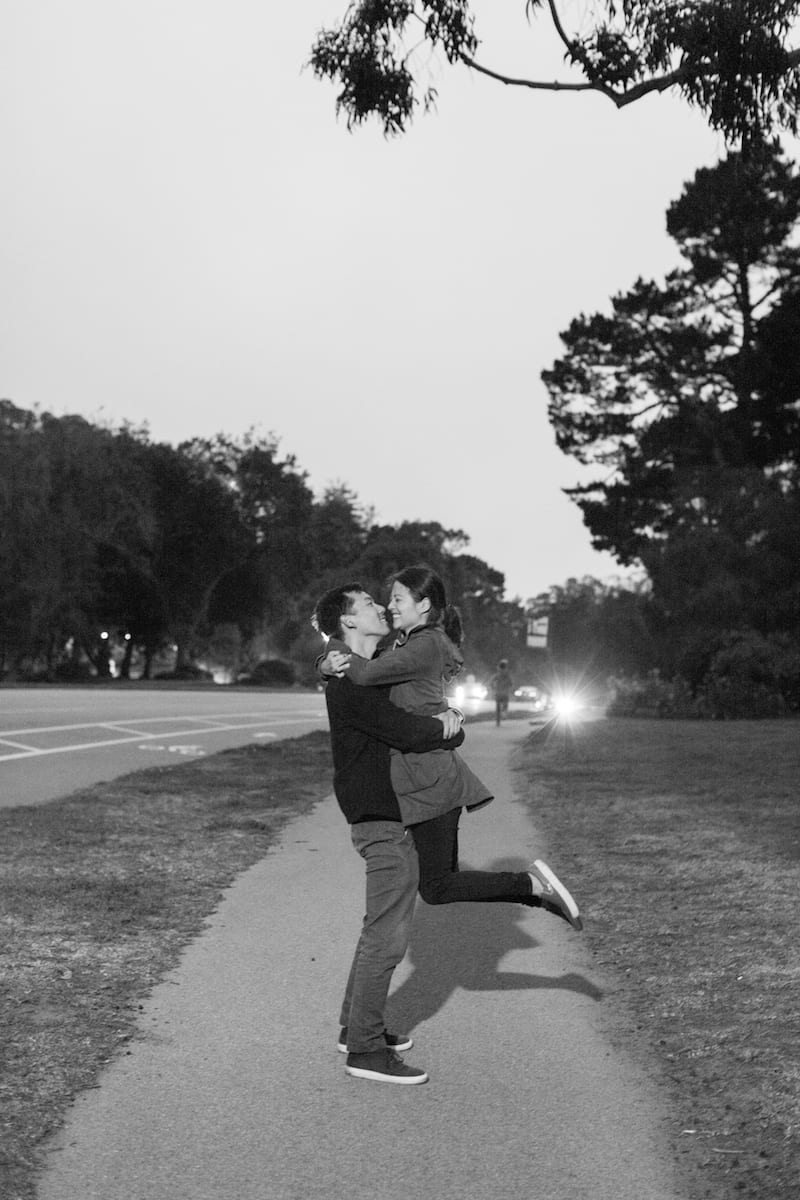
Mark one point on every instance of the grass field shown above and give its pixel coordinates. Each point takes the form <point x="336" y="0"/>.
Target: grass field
<point x="683" y="841"/>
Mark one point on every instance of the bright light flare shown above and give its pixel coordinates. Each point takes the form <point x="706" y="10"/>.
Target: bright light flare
<point x="567" y="705"/>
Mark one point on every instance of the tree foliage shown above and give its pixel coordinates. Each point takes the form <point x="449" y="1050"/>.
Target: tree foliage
<point x="596" y="629"/>
<point x="216" y="548"/>
<point x="735" y="60"/>
<point x="687" y="398"/>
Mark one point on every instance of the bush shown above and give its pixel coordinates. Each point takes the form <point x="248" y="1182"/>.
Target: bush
<point x="651" y="696"/>
<point x="752" y="676"/>
<point x="748" y="675"/>
<point x="187" y="673"/>
<point x="271" y="672"/>
<point x="73" y="671"/>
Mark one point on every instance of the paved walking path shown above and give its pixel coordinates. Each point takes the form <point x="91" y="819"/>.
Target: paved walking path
<point x="235" y="1090"/>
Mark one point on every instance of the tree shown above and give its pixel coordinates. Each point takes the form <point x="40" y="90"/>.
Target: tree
<point x="687" y="397"/>
<point x="72" y="498"/>
<point x="23" y="519"/>
<point x="199" y="537"/>
<point x="494" y="628"/>
<point x="733" y="59"/>
<point x="595" y="630"/>
<point x="340" y="527"/>
<point x="389" y="548"/>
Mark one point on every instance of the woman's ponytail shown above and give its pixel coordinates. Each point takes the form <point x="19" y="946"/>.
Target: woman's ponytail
<point x="451" y="623"/>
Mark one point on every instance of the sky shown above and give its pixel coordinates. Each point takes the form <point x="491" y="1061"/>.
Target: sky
<point x="191" y="240"/>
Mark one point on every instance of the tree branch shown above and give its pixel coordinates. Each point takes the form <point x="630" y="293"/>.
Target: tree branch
<point x="659" y="83"/>
<point x="559" y="28"/>
<point x="554" y="86"/>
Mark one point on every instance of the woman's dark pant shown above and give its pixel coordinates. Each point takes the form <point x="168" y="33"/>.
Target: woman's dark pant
<point x="441" y="882"/>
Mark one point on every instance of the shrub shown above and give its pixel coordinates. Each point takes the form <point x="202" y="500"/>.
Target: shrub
<point x="187" y="674"/>
<point x="748" y="675"/>
<point x="752" y="676"/>
<point x="651" y="696"/>
<point x="271" y="672"/>
<point x="73" y="670"/>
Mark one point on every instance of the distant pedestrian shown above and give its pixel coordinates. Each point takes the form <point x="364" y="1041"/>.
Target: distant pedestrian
<point x="502" y="686"/>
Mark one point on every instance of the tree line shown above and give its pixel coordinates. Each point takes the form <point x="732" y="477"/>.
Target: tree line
<point x="113" y="546"/>
<point x="211" y="554"/>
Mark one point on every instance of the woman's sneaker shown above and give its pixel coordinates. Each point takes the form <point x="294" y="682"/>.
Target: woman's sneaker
<point x="394" y="1041"/>
<point x="554" y="896"/>
<point x="384" y="1066"/>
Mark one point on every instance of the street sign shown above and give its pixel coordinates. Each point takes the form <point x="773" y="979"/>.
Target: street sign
<point x="537" y="632"/>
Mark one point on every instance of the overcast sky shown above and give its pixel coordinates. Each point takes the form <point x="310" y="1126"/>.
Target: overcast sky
<point x="190" y="239"/>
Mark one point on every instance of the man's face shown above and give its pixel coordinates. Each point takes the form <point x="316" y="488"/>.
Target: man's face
<point x="367" y="617"/>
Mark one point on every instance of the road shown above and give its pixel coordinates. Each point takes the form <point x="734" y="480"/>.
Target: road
<point x="54" y="741"/>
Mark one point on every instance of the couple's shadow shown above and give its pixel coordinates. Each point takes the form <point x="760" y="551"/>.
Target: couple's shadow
<point x="461" y="946"/>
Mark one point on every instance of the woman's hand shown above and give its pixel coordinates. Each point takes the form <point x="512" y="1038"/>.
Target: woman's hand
<point x="334" y="663"/>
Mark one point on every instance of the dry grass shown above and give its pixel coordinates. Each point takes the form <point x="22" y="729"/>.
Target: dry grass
<point x="685" y="838"/>
<point x="99" y="893"/>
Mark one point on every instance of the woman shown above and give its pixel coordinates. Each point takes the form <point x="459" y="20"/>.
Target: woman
<point x="432" y="788"/>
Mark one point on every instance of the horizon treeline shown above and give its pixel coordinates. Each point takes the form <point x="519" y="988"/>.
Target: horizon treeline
<point x="120" y="556"/>
<point x="117" y="548"/>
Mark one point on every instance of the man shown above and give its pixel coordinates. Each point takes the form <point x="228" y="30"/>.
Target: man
<point x="364" y="725"/>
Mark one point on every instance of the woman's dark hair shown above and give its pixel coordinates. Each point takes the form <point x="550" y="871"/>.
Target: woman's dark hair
<point x="425" y="584"/>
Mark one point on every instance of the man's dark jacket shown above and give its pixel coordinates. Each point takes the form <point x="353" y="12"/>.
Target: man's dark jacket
<point x="364" y="726"/>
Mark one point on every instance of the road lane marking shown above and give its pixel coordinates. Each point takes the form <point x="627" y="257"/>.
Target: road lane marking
<point x="118" y="727"/>
<point x="35" y="752"/>
<point x="260" y="717"/>
<point x="18" y="745"/>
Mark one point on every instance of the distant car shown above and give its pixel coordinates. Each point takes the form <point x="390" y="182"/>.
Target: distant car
<point x="535" y="697"/>
<point x="475" y="690"/>
<point x="468" y="689"/>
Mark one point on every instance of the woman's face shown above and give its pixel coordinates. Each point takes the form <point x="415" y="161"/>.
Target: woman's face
<point x="406" y="612"/>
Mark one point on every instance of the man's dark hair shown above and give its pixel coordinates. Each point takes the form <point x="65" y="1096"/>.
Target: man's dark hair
<point x="331" y="607"/>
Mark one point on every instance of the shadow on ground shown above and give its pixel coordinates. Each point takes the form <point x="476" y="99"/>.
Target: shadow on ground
<point x="461" y="946"/>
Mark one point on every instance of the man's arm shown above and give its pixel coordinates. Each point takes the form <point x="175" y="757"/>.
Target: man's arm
<point x="371" y="711"/>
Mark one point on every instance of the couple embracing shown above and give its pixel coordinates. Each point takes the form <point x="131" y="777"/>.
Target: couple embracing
<point x="402" y="785"/>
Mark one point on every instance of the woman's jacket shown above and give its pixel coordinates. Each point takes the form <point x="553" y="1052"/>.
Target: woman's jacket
<point x="419" y="666"/>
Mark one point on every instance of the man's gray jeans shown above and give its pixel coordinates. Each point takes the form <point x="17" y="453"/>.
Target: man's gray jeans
<point x="392" y="881"/>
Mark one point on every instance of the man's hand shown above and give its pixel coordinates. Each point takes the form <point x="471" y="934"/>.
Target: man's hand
<point x="451" y="720"/>
<point x="334" y="663"/>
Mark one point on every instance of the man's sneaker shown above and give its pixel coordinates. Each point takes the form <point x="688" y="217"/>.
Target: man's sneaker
<point x="554" y="896"/>
<point x="384" y="1066"/>
<point x="394" y="1041"/>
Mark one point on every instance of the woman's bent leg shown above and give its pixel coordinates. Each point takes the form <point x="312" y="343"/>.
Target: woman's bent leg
<point x="441" y="882"/>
